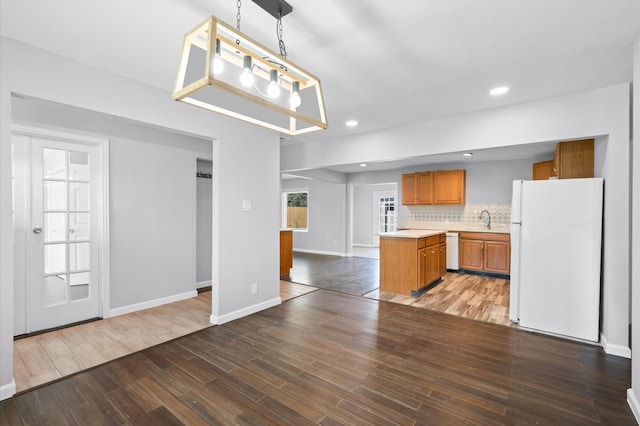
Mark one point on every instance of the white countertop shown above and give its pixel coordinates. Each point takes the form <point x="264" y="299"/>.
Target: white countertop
<point x="497" y="228"/>
<point x="412" y="233"/>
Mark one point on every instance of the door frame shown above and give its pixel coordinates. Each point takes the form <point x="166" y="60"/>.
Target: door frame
<point x="102" y="144"/>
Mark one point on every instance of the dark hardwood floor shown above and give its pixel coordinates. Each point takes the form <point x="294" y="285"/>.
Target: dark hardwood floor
<point x="350" y="275"/>
<point x="329" y="358"/>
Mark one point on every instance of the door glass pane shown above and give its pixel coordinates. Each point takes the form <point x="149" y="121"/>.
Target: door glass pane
<point x="78" y="196"/>
<point x="78" y="256"/>
<point x="55" y="195"/>
<point x="78" y="226"/>
<point x="54" y="258"/>
<point x="55" y="227"/>
<point x="79" y="286"/>
<point x="78" y="165"/>
<point x="54" y="163"/>
<point x="55" y="290"/>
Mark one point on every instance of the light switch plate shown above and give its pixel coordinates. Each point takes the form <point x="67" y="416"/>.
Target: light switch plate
<point x="246" y="205"/>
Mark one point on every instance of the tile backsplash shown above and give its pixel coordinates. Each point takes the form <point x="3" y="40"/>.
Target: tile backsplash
<point x="468" y="214"/>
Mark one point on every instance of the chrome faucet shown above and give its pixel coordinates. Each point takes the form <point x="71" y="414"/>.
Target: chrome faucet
<point x="488" y="222"/>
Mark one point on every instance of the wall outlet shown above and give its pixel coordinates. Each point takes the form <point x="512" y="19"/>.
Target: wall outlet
<point x="254" y="288"/>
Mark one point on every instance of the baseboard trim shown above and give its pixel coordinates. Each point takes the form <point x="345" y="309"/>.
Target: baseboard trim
<point x="219" y="320"/>
<point x="363" y="245"/>
<point x="8" y="390"/>
<point x="633" y="404"/>
<point x="328" y="253"/>
<point x="202" y="284"/>
<point x="151" y="303"/>
<point x="617" y="350"/>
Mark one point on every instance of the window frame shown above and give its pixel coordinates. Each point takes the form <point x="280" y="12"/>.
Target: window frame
<point x="284" y="213"/>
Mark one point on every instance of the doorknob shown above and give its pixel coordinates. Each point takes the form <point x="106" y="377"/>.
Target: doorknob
<point x="37" y="230"/>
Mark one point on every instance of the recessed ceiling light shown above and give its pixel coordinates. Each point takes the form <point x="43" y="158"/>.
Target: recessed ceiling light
<point x="468" y="154"/>
<point x="499" y="90"/>
<point x="351" y="123"/>
<point x="363" y="164"/>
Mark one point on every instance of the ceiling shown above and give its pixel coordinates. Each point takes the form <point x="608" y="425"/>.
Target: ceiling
<point x="383" y="64"/>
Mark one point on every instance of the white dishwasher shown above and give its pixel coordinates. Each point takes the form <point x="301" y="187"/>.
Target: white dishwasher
<point x="452" y="251"/>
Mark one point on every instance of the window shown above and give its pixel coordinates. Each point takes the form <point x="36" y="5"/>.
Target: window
<point x="295" y="210"/>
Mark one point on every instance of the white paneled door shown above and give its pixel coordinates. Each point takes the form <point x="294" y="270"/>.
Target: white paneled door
<point x="384" y="215"/>
<point x="62" y="231"/>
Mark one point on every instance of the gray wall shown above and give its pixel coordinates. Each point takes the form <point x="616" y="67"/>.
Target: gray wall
<point x="363" y="211"/>
<point x="151" y="190"/>
<point x="327" y="213"/>
<point x="204" y="231"/>
<point x="245" y="244"/>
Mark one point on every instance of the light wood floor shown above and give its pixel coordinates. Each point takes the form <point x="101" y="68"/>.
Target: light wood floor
<point x="49" y="356"/>
<point x="464" y="295"/>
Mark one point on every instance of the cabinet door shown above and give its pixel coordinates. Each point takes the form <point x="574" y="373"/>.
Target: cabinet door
<point x="497" y="257"/>
<point x="575" y="159"/>
<point x="449" y="187"/>
<point x="422" y="268"/>
<point x="443" y="259"/>
<point x="471" y="254"/>
<point x="542" y="170"/>
<point x="424" y="188"/>
<point x="433" y="263"/>
<point x="409" y="183"/>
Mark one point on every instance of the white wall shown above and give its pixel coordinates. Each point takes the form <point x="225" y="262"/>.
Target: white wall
<point x="363" y="211"/>
<point x="634" y="392"/>
<point x="602" y="112"/>
<point x="327" y="213"/>
<point x="204" y="189"/>
<point x="243" y="155"/>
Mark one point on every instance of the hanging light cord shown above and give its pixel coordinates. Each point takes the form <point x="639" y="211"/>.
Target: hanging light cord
<point x="238" y="18"/>
<point x="283" y="48"/>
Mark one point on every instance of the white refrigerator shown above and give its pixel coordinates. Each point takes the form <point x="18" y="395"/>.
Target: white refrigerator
<point x="556" y="239"/>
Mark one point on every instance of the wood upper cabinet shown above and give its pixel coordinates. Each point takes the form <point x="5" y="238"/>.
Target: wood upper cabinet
<point x="417" y="188"/>
<point x="543" y="170"/>
<point x="485" y="251"/>
<point x="440" y="187"/>
<point x="449" y="187"/>
<point x="574" y="159"/>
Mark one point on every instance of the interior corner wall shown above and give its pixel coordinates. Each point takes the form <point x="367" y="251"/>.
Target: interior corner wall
<point x="38" y="74"/>
<point x="363" y="207"/>
<point x="327" y="217"/>
<point x="204" y="222"/>
<point x="634" y="392"/>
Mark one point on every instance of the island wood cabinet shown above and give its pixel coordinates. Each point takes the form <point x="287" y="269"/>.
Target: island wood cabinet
<point x="417" y="188"/>
<point x="409" y="264"/>
<point x="485" y="251"/>
<point x="286" y="252"/>
<point x="443" y="255"/>
<point x="439" y="187"/>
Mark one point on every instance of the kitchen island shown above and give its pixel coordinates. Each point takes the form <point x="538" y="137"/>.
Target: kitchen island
<point x="410" y="260"/>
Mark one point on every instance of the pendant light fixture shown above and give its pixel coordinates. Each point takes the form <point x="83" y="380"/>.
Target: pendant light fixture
<point x="225" y="71"/>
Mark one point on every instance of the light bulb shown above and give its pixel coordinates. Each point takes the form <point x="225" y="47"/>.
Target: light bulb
<point x="246" y="78"/>
<point x="295" y="99"/>
<point x="274" y="89"/>
<point x="218" y="65"/>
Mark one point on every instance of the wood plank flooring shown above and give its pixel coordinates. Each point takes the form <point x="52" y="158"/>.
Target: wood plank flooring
<point x="329" y="358"/>
<point x="49" y="356"/>
<point x="464" y="295"/>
